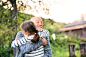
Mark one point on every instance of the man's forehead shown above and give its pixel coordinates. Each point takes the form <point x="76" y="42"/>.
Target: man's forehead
<point x="36" y="19"/>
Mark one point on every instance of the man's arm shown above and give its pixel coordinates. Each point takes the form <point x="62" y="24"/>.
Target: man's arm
<point x="47" y="49"/>
<point x="19" y="35"/>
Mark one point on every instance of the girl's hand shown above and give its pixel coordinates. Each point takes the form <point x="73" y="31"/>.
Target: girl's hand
<point x="44" y="41"/>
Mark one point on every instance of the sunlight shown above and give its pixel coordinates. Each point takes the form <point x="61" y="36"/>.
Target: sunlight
<point x="68" y="11"/>
<point x="60" y="10"/>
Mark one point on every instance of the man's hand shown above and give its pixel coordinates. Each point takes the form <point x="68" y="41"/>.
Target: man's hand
<point x="16" y="38"/>
<point x="44" y="41"/>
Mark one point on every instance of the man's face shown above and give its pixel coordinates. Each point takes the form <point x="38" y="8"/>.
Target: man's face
<point x="38" y="23"/>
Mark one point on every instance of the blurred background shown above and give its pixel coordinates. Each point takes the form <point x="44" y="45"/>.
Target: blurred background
<point x="65" y="20"/>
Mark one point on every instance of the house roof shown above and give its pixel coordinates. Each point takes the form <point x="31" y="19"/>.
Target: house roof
<point x="77" y="24"/>
<point x="80" y="21"/>
<point x="73" y="28"/>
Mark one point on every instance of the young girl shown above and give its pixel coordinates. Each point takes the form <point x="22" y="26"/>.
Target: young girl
<point x="30" y="35"/>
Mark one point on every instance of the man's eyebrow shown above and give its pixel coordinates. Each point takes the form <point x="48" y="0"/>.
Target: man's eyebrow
<point x="37" y="20"/>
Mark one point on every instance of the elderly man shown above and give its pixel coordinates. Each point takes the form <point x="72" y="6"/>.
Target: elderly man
<point x="47" y="49"/>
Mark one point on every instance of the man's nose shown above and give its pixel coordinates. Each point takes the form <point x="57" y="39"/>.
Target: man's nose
<point x="40" y="24"/>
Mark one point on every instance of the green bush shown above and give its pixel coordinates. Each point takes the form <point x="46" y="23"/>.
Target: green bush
<point x="59" y="46"/>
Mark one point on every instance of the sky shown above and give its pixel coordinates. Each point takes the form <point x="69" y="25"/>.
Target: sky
<point x="64" y="10"/>
<point x="60" y="10"/>
<point x="68" y="10"/>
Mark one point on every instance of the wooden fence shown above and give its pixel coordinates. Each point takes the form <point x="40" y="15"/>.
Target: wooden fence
<point x="82" y="50"/>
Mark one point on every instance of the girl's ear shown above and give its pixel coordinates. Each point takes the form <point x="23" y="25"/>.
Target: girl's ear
<point x="27" y="33"/>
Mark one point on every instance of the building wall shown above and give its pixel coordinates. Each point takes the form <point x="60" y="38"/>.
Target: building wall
<point x="77" y="32"/>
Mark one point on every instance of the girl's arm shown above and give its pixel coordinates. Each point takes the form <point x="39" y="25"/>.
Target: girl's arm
<point x="21" y="41"/>
<point x="28" y="47"/>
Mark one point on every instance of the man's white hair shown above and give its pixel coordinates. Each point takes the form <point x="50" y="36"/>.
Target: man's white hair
<point x="32" y="19"/>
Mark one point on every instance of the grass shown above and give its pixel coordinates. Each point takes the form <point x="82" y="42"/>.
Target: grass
<point x="60" y="52"/>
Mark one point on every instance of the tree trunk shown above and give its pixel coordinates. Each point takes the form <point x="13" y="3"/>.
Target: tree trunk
<point x="14" y="21"/>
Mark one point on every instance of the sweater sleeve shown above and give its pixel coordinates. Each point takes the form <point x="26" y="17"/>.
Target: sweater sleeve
<point x="19" y="35"/>
<point x="21" y="41"/>
<point x="28" y="47"/>
<point x="47" y="48"/>
<point x="44" y="33"/>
